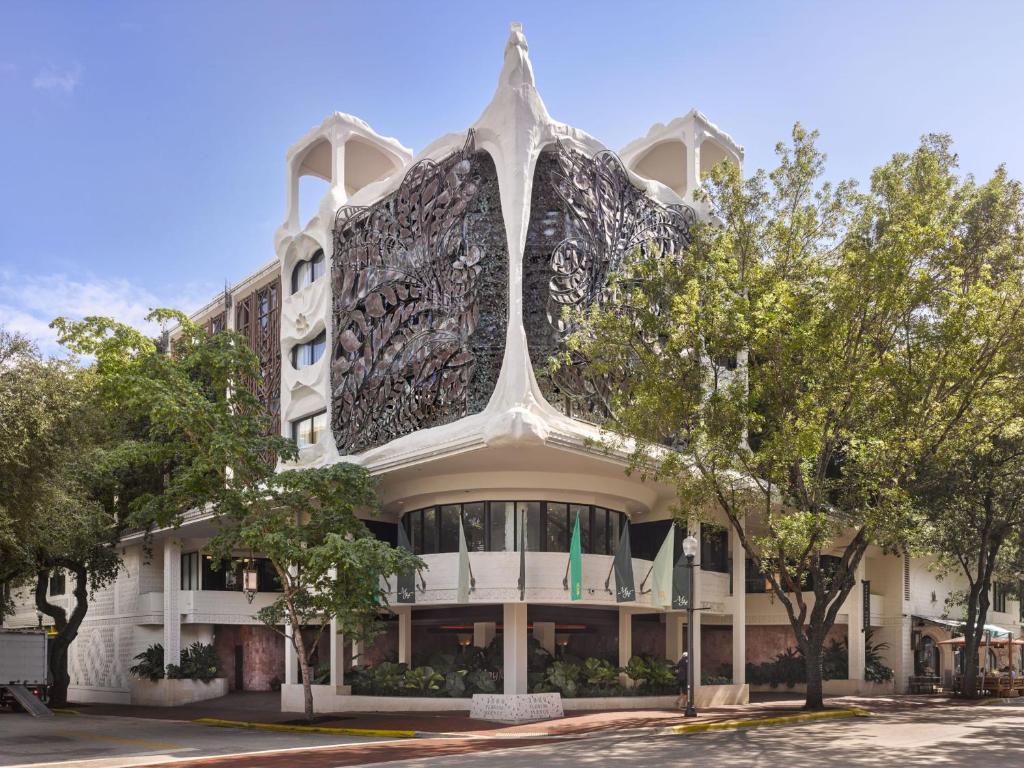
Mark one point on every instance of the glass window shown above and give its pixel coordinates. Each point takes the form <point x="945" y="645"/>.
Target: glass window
<point x="307" y="431"/>
<point x="310" y="352"/>
<point x="474" y="522"/>
<point x="528" y="514"/>
<point x="266" y="576"/>
<point x="498" y="522"/>
<point x="450" y="528"/>
<point x="614" y="531"/>
<point x="599" y="532"/>
<point x="557" y="534"/>
<point x="190" y="570"/>
<point x="57" y="583"/>
<point x="430" y="530"/>
<point x="756" y="581"/>
<point x="308" y="272"/>
<point x="714" y="548"/>
<point x="415" y="520"/>
<point x="583" y="511"/>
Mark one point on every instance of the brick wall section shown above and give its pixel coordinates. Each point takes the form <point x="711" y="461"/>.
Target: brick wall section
<point x="262" y="655"/>
<point x="764" y="643"/>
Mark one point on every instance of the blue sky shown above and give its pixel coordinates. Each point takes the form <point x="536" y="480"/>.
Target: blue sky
<point x="142" y="144"/>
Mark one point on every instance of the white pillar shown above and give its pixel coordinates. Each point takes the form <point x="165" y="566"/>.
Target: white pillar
<point x="739" y="609"/>
<point x="514" y="640"/>
<point x="172" y="610"/>
<point x="337" y="657"/>
<point x="291" y="658"/>
<point x="544" y="632"/>
<point x="404" y="634"/>
<point x="855" y="624"/>
<point x="674" y="636"/>
<point x="483" y="633"/>
<point x="625" y="641"/>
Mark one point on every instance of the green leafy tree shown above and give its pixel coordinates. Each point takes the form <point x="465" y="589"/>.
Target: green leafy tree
<point x="327" y="561"/>
<point x="779" y="369"/>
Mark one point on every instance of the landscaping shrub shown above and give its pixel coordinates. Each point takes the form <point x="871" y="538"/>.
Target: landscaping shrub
<point x="151" y="664"/>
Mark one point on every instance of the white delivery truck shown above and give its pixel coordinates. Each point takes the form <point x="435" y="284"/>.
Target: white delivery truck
<point x="24" y="676"/>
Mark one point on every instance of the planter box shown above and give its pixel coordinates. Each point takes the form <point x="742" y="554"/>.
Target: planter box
<point x="834" y="688"/>
<point x="174" y="693"/>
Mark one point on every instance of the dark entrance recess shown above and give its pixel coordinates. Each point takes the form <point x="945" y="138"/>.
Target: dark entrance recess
<point x="239" y="677"/>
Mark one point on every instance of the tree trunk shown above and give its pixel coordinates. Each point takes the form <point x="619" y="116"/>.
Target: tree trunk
<point x="307" y="676"/>
<point x="813" y="657"/>
<point x="974" y="630"/>
<point x="67" y="628"/>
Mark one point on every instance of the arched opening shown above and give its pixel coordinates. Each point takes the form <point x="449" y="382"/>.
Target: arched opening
<point x="665" y="162"/>
<point x="308" y="271"/>
<point x="711" y="154"/>
<point x="314" y="178"/>
<point x="365" y="164"/>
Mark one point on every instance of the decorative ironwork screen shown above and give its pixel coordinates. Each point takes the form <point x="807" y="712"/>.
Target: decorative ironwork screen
<point x="586" y="217"/>
<point x="420" y="302"/>
<point x="258" y="319"/>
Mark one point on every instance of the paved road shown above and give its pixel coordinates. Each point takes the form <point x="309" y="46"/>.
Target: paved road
<point x="90" y="741"/>
<point x="948" y="736"/>
<point x="932" y="737"/>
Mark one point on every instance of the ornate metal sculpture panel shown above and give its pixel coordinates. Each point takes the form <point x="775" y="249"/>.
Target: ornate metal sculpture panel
<point x="586" y="217"/>
<point x="420" y="292"/>
<point x="258" y="318"/>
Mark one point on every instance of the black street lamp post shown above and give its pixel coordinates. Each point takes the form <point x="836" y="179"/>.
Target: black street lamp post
<point x="690" y="551"/>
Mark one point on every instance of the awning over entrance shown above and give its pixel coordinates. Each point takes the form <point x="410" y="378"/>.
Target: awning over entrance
<point x="952" y="625"/>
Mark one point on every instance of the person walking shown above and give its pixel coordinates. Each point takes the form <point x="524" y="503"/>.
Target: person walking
<point x="683" y="678"/>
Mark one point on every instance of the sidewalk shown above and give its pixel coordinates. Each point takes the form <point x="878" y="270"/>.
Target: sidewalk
<point x="263" y="708"/>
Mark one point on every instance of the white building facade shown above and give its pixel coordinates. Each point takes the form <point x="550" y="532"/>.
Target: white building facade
<point x="407" y="326"/>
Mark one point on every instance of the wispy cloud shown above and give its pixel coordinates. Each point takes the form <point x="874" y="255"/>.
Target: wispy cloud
<point x="28" y="302"/>
<point x="53" y="79"/>
<point x="8" y="67"/>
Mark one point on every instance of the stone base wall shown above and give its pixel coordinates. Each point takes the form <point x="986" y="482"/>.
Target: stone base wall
<point x="765" y="642"/>
<point x="262" y="655"/>
<point x="174" y="693"/>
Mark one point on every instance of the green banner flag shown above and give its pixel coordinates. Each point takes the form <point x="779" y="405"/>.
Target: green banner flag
<point x="661" y="582"/>
<point x="625" y="586"/>
<point x="681" y="584"/>
<point x="462" y="593"/>
<point x="406" y="590"/>
<point x="576" y="562"/>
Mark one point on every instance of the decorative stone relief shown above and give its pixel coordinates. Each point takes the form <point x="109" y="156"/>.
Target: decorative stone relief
<point x="420" y="302"/>
<point x="586" y="217"/>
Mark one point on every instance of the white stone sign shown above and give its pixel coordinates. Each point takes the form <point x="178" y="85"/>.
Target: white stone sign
<point x="517" y="707"/>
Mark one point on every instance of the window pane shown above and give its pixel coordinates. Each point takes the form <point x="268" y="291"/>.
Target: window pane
<point x="531" y="511"/>
<point x="614" y="530"/>
<point x="557" y="539"/>
<point x="450" y="528"/>
<point x="430" y="530"/>
<point x="316" y="266"/>
<point x="599" y="533"/>
<point x="497" y="541"/>
<point x="473" y="522"/>
<point x="416" y="532"/>
<point x="583" y="510"/>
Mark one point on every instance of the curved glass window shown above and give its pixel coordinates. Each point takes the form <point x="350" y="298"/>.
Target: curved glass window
<point x="308" y="272"/>
<point x="506" y="526"/>
<point x="310" y="352"/>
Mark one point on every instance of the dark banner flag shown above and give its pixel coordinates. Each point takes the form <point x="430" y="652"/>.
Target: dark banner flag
<point x="866" y="587"/>
<point x="681" y="584"/>
<point x="522" y="555"/>
<point x="406" y="592"/>
<point x="625" y="591"/>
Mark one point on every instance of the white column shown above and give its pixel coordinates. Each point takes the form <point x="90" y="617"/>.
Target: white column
<point x="625" y="640"/>
<point x="514" y="640"/>
<point x="337" y="656"/>
<point x="544" y="632"/>
<point x="855" y="624"/>
<point x="404" y="634"/>
<point x="172" y="610"/>
<point x="674" y="636"/>
<point x="291" y="658"/>
<point x="483" y="633"/>
<point x="739" y="609"/>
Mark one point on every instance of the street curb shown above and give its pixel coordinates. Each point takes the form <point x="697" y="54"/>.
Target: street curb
<point x="217" y="723"/>
<point x="65" y="711"/>
<point x="803" y="717"/>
